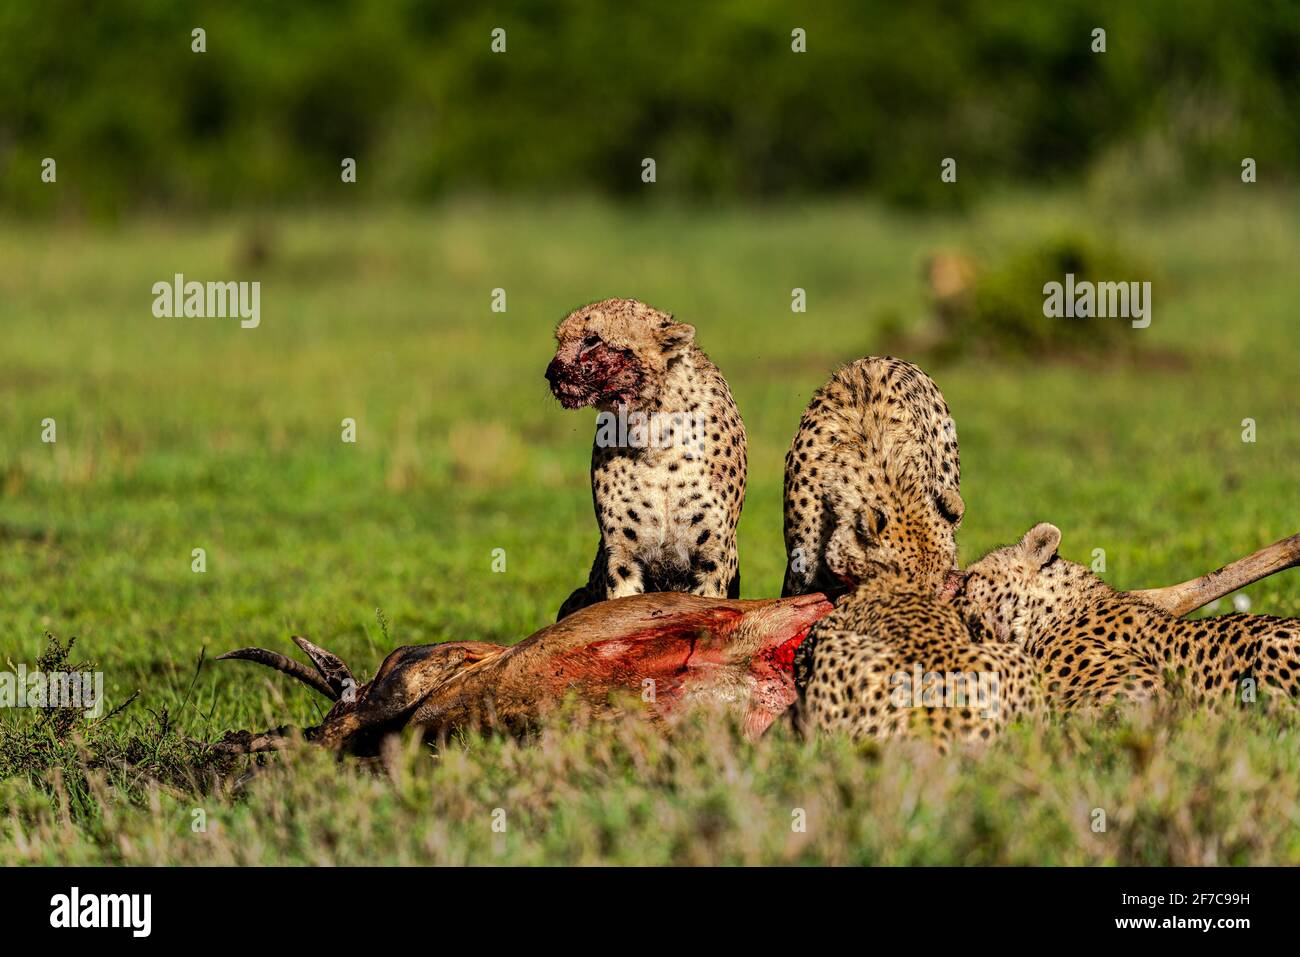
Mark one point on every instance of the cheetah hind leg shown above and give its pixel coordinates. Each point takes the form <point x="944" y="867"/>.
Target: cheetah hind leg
<point x="1131" y="682"/>
<point x="1277" y="670"/>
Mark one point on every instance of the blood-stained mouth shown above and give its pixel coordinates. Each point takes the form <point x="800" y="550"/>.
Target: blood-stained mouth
<point x="574" y="396"/>
<point x="615" y="397"/>
<point x="571" y="396"/>
<point x="839" y="586"/>
<point x="600" y="376"/>
<point x="953" y="585"/>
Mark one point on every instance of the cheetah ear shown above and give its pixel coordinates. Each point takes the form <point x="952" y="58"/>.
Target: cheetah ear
<point x="871" y="522"/>
<point x="951" y="506"/>
<point x="674" y="335"/>
<point x="1040" y="544"/>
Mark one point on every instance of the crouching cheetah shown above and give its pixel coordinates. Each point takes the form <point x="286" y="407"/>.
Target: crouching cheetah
<point x="872" y="477"/>
<point x="893" y="660"/>
<point x="668" y="459"/>
<point x="1092" y="644"/>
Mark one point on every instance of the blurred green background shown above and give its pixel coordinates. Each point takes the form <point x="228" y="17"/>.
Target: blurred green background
<point x="584" y="91"/>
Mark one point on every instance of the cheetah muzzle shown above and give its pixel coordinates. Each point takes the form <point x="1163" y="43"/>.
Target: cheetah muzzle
<point x="592" y="373"/>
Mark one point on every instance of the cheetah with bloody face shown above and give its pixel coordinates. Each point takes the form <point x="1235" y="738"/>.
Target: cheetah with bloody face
<point x="892" y="660"/>
<point x="1092" y="644"/>
<point x="872" y="477"/>
<point x="668" y="461"/>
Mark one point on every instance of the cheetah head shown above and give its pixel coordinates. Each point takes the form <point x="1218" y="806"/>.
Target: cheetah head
<point x="1010" y="588"/>
<point x="911" y="536"/>
<point x="615" y="352"/>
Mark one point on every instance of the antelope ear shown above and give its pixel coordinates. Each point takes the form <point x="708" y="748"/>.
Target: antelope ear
<point x="480" y="650"/>
<point x="951" y="506"/>
<point x="674" y="335"/>
<point x="1040" y="544"/>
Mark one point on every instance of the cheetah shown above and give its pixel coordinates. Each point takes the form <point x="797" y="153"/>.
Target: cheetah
<point x="872" y="476"/>
<point x="1094" y="645"/>
<point x="894" y="660"/>
<point x="668" y="463"/>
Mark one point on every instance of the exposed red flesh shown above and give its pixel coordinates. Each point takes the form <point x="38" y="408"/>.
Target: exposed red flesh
<point x="782" y="656"/>
<point x="952" y="585"/>
<point x="692" y="649"/>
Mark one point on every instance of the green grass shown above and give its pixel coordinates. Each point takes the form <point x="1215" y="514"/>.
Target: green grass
<point x="175" y="434"/>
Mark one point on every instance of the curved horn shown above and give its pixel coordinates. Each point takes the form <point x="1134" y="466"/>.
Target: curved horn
<point x="279" y="662"/>
<point x="1190" y="595"/>
<point x="331" y="667"/>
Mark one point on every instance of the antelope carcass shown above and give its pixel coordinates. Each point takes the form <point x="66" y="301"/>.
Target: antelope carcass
<point x="658" y="652"/>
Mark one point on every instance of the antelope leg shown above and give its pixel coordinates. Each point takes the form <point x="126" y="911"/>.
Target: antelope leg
<point x="1190" y="595"/>
<point x="250" y="742"/>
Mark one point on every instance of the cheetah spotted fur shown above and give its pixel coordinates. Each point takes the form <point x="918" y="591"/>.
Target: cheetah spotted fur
<point x="895" y="661"/>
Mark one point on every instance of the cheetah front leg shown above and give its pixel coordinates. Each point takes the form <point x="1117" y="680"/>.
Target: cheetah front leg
<point x="715" y="565"/>
<point x="798" y="573"/>
<point x="805" y="542"/>
<point x="621" y="572"/>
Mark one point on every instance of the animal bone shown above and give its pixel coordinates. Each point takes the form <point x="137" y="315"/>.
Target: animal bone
<point x="666" y="650"/>
<point x="1193" y="594"/>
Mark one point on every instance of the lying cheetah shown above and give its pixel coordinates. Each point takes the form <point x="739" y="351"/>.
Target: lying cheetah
<point x="668" y="460"/>
<point x="894" y="660"/>
<point x="1093" y="644"/>
<point x="872" y="476"/>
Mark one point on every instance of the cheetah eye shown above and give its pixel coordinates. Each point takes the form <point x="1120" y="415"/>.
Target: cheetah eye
<point x="590" y="342"/>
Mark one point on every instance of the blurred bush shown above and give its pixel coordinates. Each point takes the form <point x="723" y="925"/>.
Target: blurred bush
<point x="1006" y="311"/>
<point x="412" y="90"/>
<point x="997" y="311"/>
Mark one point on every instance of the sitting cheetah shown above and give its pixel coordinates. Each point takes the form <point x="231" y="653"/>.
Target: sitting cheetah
<point x="893" y="660"/>
<point x="1093" y="644"/>
<point x="668" y="460"/>
<point x="872" y="477"/>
